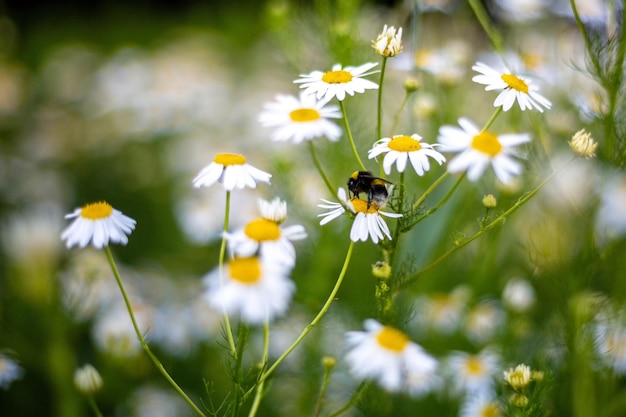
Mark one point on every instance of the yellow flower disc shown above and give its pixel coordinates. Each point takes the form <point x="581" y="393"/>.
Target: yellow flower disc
<point x="392" y="339"/>
<point x="262" y="230"/>
<point x="304" y="115"/>
<point x="474" y="365"/>
<point x="337" y="77"/>
<point x="404" y="144"/>
<point x="360" y="206"/>
<point x="96" y="211"/>
<point x="487" y="143"/>
<point x="229" y="159"/>
<point x="515" y="83"/>
<point x="245" y="270"/>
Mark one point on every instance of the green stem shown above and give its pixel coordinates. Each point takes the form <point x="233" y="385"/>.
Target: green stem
<point x="379" y="124"/>
<point x="350" y="138"/>
<point x="324" y="387"/>
<point x="429" y="190"/>
<point x="94" y="406"/>
<point x="396" y="233"/>
<point x="351" y="402"/>
<point x="441" y="202"/>
<point x="144" y="345"/>
<point x="484" y="229"/>
<point x="492" y="118"/>
<point x="317" y="318"/>
<point x="396" y="118"/>
<point x="259" y="388"/>
<point x="227" y="327"/>
<point x="483" y="17"/>
<point x="318" y="165"/>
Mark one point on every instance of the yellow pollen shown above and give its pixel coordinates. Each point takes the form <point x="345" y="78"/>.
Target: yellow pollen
<point x="229" y="159"/>
<point x="487" y="142"/>
<point x="262" y="230"/>
<point x="515" y="83"/>
<point x="245" y="270"/>
<point x="360" y="206"/>
<point x="474" y="366"/>
<point x="392" y="339"/>
<point x="404" y="144"/>
<point x="304" y="115"/>
<point x="337" y="77"/>
<point x="96" y="211"/>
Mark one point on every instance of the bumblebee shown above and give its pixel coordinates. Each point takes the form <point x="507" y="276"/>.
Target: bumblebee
<point x="376" y="189"/>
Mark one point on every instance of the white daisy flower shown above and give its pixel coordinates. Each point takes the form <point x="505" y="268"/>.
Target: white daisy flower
<point x="9" y="371"/>
<point x="232" y="171"/>
<point x="473" y="374"/>
<point x="254" y="289"/>
<point x="98" y="223"/>
<point x="268" y="238"/>
<point x="401" y="148"/>
<point x="480" y="406"/>
<point x="481" y="148"/>
<point x="513" y="88"/>
<point x="300" y="118"/>
<point x="609" y="330"/>
<point x="337" y="82"/>
<point x="389" y="357"/>
<point x="275" y="210"/>
<point x="368" y="222"/>
<point x="389" y="42"/>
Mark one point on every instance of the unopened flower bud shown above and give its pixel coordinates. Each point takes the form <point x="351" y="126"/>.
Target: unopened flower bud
<point x="388" y="43"/>
<point x="518" y="400"/>
<point x="583" y="144"/>
<point x="87" y="380"/>
<point x="489" y="201"/>
<point x="411" y="84"/>
<point x="329" y="362"/>
<point x="381" y="270"/>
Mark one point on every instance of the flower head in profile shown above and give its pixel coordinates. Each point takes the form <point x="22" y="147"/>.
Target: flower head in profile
<point x="254" y="288"/>
<point x="232" y="171"/>
<point x="87" y="379"/>
<point x="368" y="221"/>
<point x="478" y="149"/>
<point x="337" y="82"/>
<point x="387" y="356"/>
<point x="518" y="377"/>
<point x="583" y="144"/>
<point x="266" y="236"/>
<point x="400" y="148"/>
<point x="389" y="42"/>
<point x="300" y="118"/>
<point x="98" y="223"/>
<point x="511" y="87"/>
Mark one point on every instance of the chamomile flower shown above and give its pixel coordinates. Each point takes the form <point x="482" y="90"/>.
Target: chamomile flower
<point x="512" y="88"/>
<point x="389" y="42"/>
<point x="267" y="236"/>
<point x="98" y="223"/>
<point x="253" y="288"/>
<point x="481" y="406"/>
<point x="337" y="82"/>
<point x="368" y="222"/>
<point x="9" y="371"/>
<point x="478" y="149"/>
<point x="387" y="356"/>
<point x="300" y="118"/>
<point x="473" y="374"/>
<point x="232" y="171"/>
<point x="400" y="148"/>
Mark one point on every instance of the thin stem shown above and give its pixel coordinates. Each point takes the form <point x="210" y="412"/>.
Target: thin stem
<point x="441" y="202"/>
<point x="227" y="327"/>
<point x="351" y="402"/>
<point x="324" y="387"/>
<point x="379" y="122"/>
<point x="484" y="229"/>
<point x="144" y="345"/>
<point x="429" y="190"/>
<point x="483" y="17"/>
<point x="396" y="118"/>
<point x="317" y="318"/>
<point x="350" y="138"/>
<point x="318" y="165"/>
<point x="94" y="406"/>
<point x="492" y="119"/>
<point x="259" y="388"/>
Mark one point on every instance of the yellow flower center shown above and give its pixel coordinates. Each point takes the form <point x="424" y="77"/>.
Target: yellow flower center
<point x="487" y="143"/>
<point x="262" y="230"/>
<point x="304" y="115"/>
<point x="474" y="366"/>
<point x="245" y="270"/>
<point x="392" y="339"/>
<point x="337" y="77"/>
<point x="360" y="206"/>
<point x="96" y="211"/>
<point x="515" y="83"/>
<point x="404" y="144"/>
<point x="490" y="410"/>
<point x="229" y="159"/>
